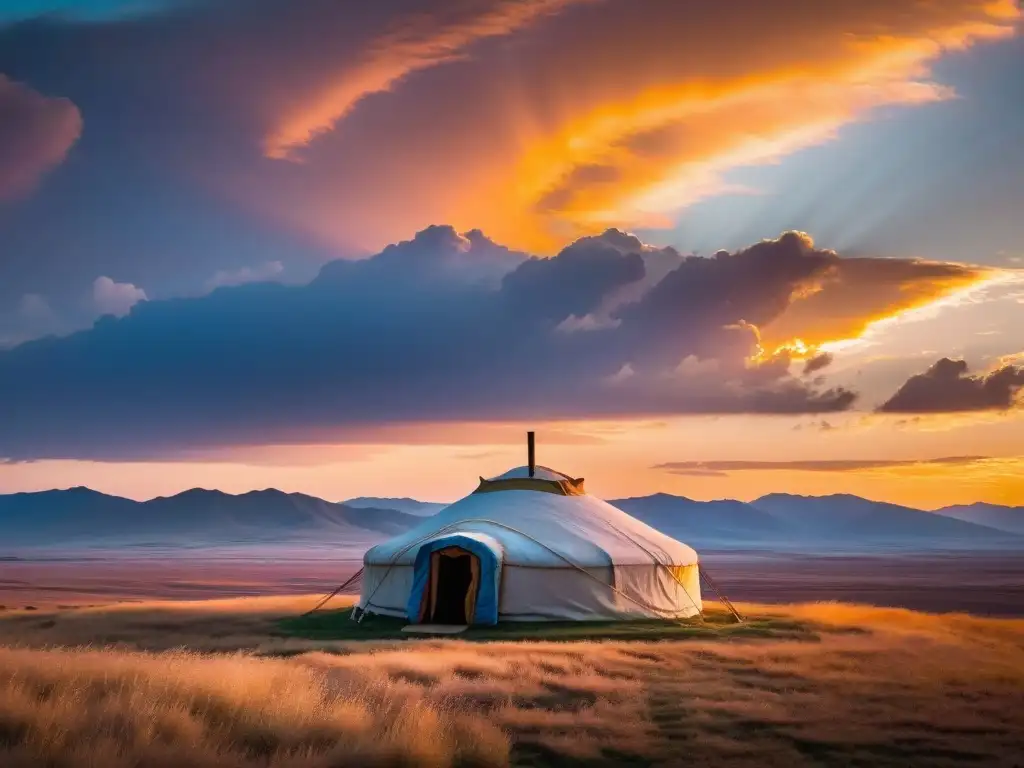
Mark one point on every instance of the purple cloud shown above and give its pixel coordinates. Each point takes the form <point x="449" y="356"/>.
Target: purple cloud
<point x="947" y="387"/>
<point x="36" y="132"/>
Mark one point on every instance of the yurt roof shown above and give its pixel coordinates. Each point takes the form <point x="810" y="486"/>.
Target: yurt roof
<point x="541" y="473"/>
<point x="542" y="479"/>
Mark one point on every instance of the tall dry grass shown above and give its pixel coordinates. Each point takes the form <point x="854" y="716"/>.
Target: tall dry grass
<point x="228" y="624"/>
<point x="907" y="689"/>
<point x="104" y="708"/>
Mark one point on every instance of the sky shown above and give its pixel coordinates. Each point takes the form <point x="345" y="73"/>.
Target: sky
<point x="344" y="248"/>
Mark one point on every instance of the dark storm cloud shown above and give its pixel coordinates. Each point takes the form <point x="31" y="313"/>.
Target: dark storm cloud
<point x="365" y="345"/>
<point x="721" y="468"/>
<point x="36" y="133"/>
<point x="947" y="387"/>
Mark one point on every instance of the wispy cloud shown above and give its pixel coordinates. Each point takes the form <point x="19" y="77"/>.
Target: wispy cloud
<point x="629" y="138"/>
<point x="267" y="271"/>
<point x="534" y="120"/>
<point x="722" y="468"/>
<point x="414" y="43"/>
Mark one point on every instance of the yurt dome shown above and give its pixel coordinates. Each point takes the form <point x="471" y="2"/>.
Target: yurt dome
<point x="530" y="545"/>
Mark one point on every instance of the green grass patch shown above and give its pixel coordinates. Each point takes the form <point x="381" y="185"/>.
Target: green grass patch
<point x="338" y="625"/>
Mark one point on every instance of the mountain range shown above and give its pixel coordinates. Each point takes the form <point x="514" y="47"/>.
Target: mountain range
<point x="403" y="504"/>
<point x="195" y="518"/>
<point x="839" y="521"/>
<point x="80" y="517"/>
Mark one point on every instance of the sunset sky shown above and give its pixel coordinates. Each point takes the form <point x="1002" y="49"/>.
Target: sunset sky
<point x="351" y="248"/>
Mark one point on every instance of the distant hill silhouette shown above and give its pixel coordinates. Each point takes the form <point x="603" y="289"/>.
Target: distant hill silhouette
<point x="844" y="516"/>
<point x="201" y="518"/>
<point x="703" y="520"/>
<point x="195" y="518"/>
<point x="1009" y="519"/>
<point x="404" y="504"/>
<point x="807" y="522"/>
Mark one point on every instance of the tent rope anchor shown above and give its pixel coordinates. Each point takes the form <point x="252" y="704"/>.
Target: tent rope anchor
<point x="721" y="596"/>
<point x="354" y="578"/>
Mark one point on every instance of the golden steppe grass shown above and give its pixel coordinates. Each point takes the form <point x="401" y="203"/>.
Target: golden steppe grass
<point x="204" y="684"/>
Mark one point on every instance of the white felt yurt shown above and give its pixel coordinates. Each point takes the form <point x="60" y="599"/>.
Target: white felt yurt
<point x="530" y="545"/>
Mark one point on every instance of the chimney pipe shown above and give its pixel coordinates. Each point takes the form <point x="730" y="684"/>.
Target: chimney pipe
<point x="530" y="451"/>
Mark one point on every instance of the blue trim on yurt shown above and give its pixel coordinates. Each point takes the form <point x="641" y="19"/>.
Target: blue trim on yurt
<point x="486" y="611"/>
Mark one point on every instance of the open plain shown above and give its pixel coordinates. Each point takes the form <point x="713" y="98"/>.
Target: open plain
<point x="215" y="683"/>
<point x="981" y="583"/>
<point x="193" y="661"/>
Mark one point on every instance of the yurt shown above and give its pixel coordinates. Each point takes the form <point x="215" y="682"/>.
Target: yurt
<point x="530" y="545"/>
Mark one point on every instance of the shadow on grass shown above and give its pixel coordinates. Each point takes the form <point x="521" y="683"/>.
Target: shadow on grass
<point x="339" y="625"/>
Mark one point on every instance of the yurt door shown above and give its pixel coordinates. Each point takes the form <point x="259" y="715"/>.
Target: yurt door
<point x="454" y="583"/>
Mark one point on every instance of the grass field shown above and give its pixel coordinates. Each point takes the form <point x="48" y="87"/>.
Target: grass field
<point x="337" y="624"/>
<point x="229" y="683"/>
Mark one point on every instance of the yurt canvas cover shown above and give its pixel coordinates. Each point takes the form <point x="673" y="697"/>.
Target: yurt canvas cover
<point x="524" y="548"/>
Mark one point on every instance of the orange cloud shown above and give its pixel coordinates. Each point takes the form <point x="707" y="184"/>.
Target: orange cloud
<point x="724" y="468"/>
<point x="629" y="160"/>
<point x="412" y="44"/>
<point x="621" y="112"/>
<point x="857" y="294"/>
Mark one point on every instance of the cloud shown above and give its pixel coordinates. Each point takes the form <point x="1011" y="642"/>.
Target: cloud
<point x="723" y="468"/>
<point x="651" y="132"/>
<point x="35" y="317"/>
<point x="397" y="339"/>
<point x="31" y="318"/>
<point x="412" y="43"/>
<point x="816" y="363"/>
<point x="438" y="258"/>
<point x="823" y="425"/>
<point x="477" y="112"/>
<point x="112" y="298"/>
<point x="546" y="150"/>
<point x="36" y="133"/>
<point x="478" y="455"/>
<point x="258" y="274"/>
<point x="861" y="293"/>
<point x="35" y="308"/>
<point x="946" y="387"/>
<point x="444" y="328"/>
<point x="576" y="283"/>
